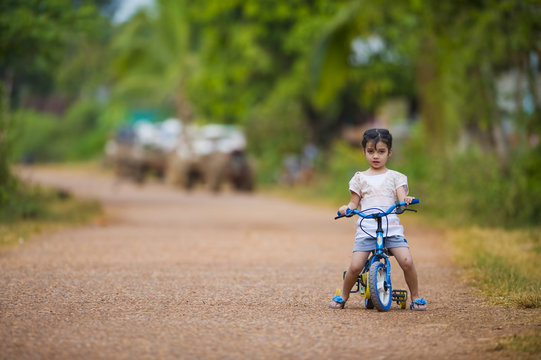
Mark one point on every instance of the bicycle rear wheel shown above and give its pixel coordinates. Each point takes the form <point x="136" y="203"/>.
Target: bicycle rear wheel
<point x="368" y="304"/>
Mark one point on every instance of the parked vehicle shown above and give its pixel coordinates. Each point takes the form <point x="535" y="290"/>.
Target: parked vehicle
<point x="142" y="149"/>
<point x="213" y="155"/>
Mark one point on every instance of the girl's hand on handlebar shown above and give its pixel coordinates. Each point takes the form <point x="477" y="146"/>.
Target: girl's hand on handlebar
<point x="409" y="199"/>
<point x="342" y="210"/>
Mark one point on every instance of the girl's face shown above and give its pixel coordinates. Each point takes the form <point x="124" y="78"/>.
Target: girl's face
<point x="377" y="154"/>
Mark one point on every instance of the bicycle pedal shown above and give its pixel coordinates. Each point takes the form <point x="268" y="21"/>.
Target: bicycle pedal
<point x="400" y="295"/>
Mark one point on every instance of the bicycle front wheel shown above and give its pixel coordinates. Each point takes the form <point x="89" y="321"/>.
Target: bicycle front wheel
<point x="380" y="290"/>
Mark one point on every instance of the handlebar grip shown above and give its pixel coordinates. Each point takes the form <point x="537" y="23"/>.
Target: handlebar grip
<point x="349" y="213"/>
<point x="414" y="201"/>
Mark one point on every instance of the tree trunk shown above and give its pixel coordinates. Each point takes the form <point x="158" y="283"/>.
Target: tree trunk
<point x="5" y="146"/>
<point x="429" y="101"/>
<point x="495" y="131"/>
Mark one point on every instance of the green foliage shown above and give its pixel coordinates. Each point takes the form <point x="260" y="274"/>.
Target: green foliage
<point x="456" y="52"/>
<point x="264" y="127"/>
<point x="290" y="75"/>
<point x="78" y="135"/>
<point x="37" y="137"/>
<point x="32" y="210"/>
<point x="31" y="33"/>
<point x="472" y="187"/>
<point x="373" y="73"/>
<point x="527" y="189"/>
<point x="34" y="36"/>
<point x="6" y="179"/>
<point x="83" y="118"/>
<point x="82" y="73"/>
<point x="344" y="161"/>
<point x="21" y="204"/>
<point x="468" y="187"/>
<point x="152" y="59"/>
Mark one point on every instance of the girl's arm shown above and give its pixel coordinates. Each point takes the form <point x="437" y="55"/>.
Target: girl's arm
<point x="402" y="196"/>
<point x="353" y="203"/>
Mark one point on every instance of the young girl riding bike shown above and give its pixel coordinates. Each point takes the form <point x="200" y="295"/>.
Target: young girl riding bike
<point x="378" y="187"/>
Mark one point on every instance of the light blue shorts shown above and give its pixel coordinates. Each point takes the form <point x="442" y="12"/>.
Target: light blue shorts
<point x="369" y="243"/>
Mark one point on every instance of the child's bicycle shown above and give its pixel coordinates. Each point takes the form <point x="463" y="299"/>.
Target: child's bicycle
<point x="374" y="282"/>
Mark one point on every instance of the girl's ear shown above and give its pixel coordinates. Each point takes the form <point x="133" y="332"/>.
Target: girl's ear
<point x="390" y="152"/>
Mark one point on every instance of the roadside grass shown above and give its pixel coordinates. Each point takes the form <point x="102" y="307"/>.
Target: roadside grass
<point x="501" y="264"/>
<point x="524" y="344"/>
<point x="35" y="209"/>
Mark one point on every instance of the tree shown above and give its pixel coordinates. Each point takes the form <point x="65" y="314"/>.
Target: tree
<point x="231" y="61"/>
<point x="153" y="57"/>
<point x="255" y="60"/>
<point x="456" y="51"/>
<point x="33" y="40"/>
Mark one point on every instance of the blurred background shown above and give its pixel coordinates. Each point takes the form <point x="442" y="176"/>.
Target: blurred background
<point x="249" y="94"/>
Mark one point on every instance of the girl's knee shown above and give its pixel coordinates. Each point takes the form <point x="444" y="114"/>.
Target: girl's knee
<point x="358" y="260"/>
<point x="406" y="263"/>
<point x="355" y="269"/>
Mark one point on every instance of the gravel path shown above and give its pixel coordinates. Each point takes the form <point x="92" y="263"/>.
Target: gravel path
<point x="174" y="275"/>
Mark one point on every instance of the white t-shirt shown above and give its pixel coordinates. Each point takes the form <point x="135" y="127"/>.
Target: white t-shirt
<point x="378" y="191"/>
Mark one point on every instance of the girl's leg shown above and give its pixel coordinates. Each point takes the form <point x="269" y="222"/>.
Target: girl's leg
<point x="404" y="259"/>
<point x="358" y="260"/>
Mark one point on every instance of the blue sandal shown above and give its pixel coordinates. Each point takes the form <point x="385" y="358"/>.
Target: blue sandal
<point x="341" y="303"/>
<point x="419" y="302"/>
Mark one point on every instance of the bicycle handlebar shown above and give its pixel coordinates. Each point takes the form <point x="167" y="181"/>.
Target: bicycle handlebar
<point x="350" y="213"/>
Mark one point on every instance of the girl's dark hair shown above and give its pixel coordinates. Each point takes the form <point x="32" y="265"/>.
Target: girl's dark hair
<point x="377" y="135"/>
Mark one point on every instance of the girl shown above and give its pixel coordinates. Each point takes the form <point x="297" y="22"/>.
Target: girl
<point x="378" y="187"/>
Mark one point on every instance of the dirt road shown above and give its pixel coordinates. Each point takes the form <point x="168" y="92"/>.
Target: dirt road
<point x="173" y="275"/>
